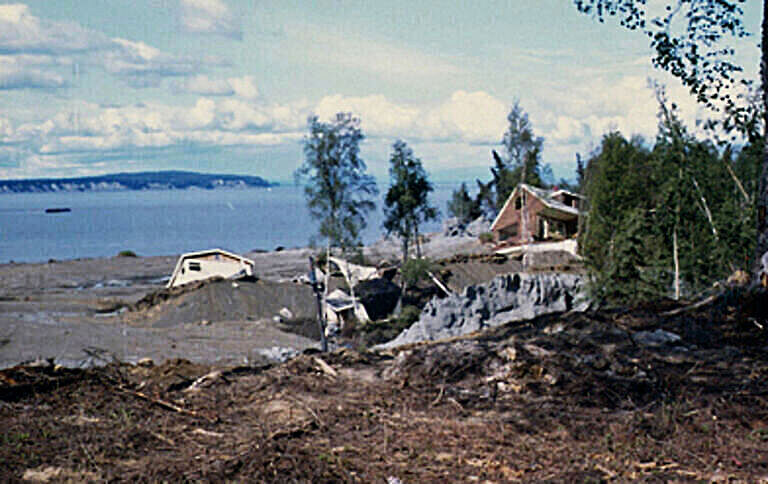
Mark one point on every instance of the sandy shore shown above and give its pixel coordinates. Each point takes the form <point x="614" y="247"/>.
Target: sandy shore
<point x="61" y="309"/>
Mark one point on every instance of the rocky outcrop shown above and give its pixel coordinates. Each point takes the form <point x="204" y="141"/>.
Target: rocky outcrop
<point x="452" y="227"/>
<point x="506" y="298"/>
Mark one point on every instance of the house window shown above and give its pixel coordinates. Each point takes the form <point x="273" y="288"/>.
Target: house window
<point x="194" y="266"/>
<point x="518" y="203"/>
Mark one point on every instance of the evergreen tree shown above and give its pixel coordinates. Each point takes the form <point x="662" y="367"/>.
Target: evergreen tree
<point x="406" y="205"/>
<point x="462" y="206"/>
<point x="620" y="208"/>
<point x="674" y="217"/>
<point x="522" y="149"/>
<point x="687" y="43"/>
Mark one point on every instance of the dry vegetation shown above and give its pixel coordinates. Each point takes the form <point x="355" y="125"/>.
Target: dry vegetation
<point x="564" y="398"/>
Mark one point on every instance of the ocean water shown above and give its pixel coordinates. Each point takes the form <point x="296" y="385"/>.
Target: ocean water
<point x="167" y="222"/>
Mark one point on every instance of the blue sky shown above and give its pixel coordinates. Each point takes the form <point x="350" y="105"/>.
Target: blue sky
<point x="93" y="86"/>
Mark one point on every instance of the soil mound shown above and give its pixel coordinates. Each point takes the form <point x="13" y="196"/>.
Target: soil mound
<point x="221" y="300"/>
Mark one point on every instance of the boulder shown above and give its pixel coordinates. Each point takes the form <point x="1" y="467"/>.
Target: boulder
<point x="478" y="226"/>
<point x="658" y="337"/>
<point x="452" y="227"/>
<point x="506" y="298"/>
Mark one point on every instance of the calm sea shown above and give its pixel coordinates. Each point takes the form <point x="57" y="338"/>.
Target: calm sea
<point x="101" y="224"/>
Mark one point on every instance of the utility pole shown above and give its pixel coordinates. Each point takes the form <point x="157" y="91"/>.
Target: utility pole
<point x="318" y="296"/>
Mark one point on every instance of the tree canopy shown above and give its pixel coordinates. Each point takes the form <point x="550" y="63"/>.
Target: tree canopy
<point x="338" y="190"/>
<point x="673" y="205"/>
<point x="406" y="205"/>
<point x="687" y="41"/>
<point x="520" y="162"/>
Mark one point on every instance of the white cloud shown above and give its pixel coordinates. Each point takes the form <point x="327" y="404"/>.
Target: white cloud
<point x="452" y="134"/>
<point x="234" y="86"/>
<point x="22" y="32"/>
<point x="16" y="75"/>
<point x="210" y="17"/>
<point x="142" y="65"/>
<point x="39" y="49"/>
<point x="475" y="117"/>
<point x="378" y="116"/>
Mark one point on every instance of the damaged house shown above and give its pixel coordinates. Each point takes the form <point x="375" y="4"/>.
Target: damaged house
<point x="534" y="218"/>
<point x="197" y="266"/>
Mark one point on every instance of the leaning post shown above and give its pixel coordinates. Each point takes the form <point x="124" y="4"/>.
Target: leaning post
<point x="318" y="297"/>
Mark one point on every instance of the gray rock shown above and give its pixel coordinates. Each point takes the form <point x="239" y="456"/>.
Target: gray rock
<point x="285" y="313"/>
<point x="658" y="337"/>
<point x="280" y="354"/>
<point x="452" y="227"/>
<point x="478" y="226"/>
<point x="506" y="298"/>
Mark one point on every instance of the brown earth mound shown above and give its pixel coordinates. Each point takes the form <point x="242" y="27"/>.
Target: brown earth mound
<point x="608" y="396"/>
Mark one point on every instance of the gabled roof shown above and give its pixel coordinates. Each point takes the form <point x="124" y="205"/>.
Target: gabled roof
<point x="545" y="196"/>
<point x="567" y="192"/>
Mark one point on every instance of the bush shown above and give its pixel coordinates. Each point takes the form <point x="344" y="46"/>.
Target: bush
<point x="486" y="237"/>
<point x="415" y="270"/>
<point x="408" y="316"/>
<point x="126" y="253"/>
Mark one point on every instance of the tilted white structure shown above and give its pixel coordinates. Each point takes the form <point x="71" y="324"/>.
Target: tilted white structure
<point x="197" y="266"/>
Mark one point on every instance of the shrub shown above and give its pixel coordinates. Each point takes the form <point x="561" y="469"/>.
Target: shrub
<point x="408" y="316"/>
<point x="415" y="270"/>
<point x="486" y="237"/>
<point x="126" y="253"/>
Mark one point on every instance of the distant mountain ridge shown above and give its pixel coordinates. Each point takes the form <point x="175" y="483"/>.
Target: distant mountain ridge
<point x="154" y="180"/>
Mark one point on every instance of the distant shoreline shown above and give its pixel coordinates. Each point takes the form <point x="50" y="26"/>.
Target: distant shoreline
<point x="158" y="180"/>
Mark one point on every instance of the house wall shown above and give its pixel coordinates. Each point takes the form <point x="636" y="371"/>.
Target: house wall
<point x="209" y="267"/>
<point x="511" y="217"/>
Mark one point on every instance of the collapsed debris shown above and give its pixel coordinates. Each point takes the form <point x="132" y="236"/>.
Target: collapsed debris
<point x="499" y="407"/>
<point x="510" y="297"/>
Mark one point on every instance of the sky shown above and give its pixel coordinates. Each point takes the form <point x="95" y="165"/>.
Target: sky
<point x="226" y="86"/>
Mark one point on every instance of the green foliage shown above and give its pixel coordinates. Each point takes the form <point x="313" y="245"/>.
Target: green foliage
<point x="126" y="253"/>
<point x="689" y="42"/>
<point x="685" y="40"/>
<point x="406" y="205"/>
<point x="339" y="193"/>
<point x="462" y="206"/>
<point x="486" y="237"/>
<point x="521" y="162"/>
<point x="409" y="315"/>
<point x="640" y="198"/>
<point x="415" y="270"/>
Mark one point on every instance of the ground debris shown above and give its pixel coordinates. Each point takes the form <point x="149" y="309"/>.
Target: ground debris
<point x="569" y="397"/>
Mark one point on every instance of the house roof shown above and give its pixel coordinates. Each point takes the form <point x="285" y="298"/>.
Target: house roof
<point x="545" y="196"/>
<point x="567" y="192"/>
<point x="203" y="253"/>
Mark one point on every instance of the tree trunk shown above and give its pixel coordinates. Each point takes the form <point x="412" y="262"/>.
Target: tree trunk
<point x="418" y="242"/>
<point x="677" y="263"/>
<point x="762" y="196"/>
<point x="675" y="251"/>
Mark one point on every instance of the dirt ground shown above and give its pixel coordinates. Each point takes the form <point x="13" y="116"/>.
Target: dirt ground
<point x="74" y="311"/>
<point x="595" y="397"/>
